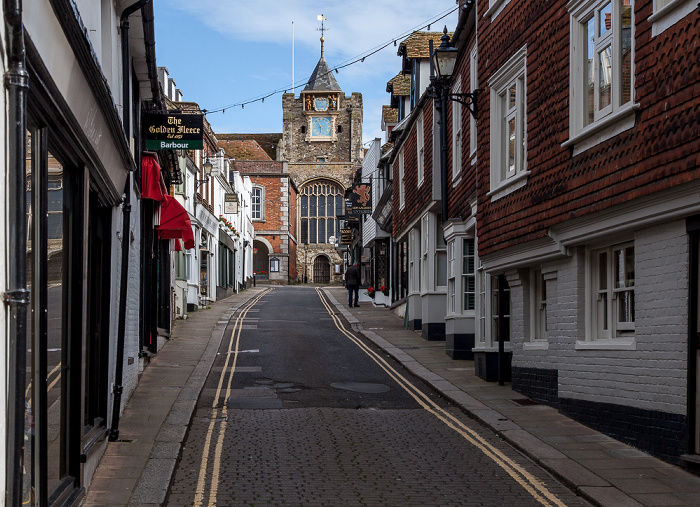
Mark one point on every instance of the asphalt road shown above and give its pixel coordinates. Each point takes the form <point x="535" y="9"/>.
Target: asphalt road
<point x="299" y="410"/>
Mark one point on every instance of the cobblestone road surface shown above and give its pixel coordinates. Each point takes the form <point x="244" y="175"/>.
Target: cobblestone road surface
<point x="311" y="419"/>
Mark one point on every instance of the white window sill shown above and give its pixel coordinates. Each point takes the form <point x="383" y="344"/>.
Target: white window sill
<point x="420" y="183"/>
<point x="491" y="348"/>
<point x="609" y="344"/>
<point x="507" y="186"/>
<point x="536" y="345"/>
<point x="603" y="129"/>
<point x="456" y="180"/>
<point x="495" y="9"/>
<point x="669" y="15"/>
<point x="468" y="314"/>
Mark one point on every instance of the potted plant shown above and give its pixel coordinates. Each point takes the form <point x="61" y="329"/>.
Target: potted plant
<point x="371" y="292"/>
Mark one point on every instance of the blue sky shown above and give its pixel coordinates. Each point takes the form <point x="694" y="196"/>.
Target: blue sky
<point x="226" y="52"/>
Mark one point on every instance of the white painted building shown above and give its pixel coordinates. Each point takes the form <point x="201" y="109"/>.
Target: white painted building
<point x="72" y="196"/>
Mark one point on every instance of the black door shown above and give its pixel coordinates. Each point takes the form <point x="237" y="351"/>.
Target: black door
<point x="322" y="270"/>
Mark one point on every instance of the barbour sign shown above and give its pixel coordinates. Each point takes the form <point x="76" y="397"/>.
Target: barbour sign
<point x="173" y="131"/>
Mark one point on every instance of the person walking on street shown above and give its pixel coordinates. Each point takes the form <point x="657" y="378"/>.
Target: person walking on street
<point x="352" y="282"/>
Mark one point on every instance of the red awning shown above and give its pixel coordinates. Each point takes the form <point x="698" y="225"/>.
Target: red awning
<point x="175" y="222"/>
<point x="150" y="178"/>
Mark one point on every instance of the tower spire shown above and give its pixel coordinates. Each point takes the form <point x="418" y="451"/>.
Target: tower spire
<point x="322" y="18"/>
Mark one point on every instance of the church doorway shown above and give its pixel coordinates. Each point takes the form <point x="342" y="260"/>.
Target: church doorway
<point x="261" y="256"/>
<point x="322" y="270"/>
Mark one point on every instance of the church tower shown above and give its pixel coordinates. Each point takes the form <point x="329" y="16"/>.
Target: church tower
<point x="322" y="143"/>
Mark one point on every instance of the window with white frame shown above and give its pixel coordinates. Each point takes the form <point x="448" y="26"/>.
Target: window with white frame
<point x="669" y="12"/>
<point x="602" y="64"/>
<point x="420" y="143"/>
<point x="611" y="297"/>
<point x="415" y="258"/>
<point x="468" y="275"/>
<point x="538" y="309"/>
<point x="473" y="85"/>
<point x="508" y="121"/>
<point x="497" y="309"/>
<point x="440" y="259"/>
<point x="451" y="278"/>
<point x="483" y="302"/>
<point x="424" y="249"/>
<point x="456" y="133"/>
<point x="495" y="8"/>
<point x="402" y="189"/>
<point x="257" y="201"/>
<point x="181" y="272"/>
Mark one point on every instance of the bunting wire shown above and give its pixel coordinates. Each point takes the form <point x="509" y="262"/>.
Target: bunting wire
<point x="342" y="65"/>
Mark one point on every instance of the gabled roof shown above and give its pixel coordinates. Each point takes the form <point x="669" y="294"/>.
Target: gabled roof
<point x="267" y="142"/>
<point x="322" y="79"/>
<point x="243" y="150"/>
<point x="399" y="85"/>
<point x="390" y="114"/>
<point x="417" y="44"/>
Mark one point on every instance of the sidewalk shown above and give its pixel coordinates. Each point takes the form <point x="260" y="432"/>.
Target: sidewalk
<point x="137" y="470"/>
<point x="601" y="469"/>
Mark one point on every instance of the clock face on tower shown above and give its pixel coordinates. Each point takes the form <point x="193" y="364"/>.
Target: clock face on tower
<point x="321" y="126"/>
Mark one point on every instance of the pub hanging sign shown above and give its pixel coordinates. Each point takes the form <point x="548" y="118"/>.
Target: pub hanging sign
<point x="361" y="199"/>
<point x="173" y="131"/>
<point x="231" y="203"/>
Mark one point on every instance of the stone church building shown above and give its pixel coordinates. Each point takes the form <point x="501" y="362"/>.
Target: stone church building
<point x="322" y="144"/>
<point x="300" y="179"/>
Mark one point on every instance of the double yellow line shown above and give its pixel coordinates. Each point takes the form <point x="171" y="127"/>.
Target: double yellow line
<point x="531" y="484"/>
<point x="219" y="410"/>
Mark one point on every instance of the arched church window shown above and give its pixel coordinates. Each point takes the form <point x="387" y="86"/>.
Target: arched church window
<point x="321" y="203"/>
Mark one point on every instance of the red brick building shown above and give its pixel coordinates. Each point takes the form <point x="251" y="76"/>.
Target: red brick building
<point x="588" y="210"/>
<point x="572" y="223"/>
<point x="274" y="196"/>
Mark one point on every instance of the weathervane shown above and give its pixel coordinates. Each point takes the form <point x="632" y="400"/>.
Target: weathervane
<point x="322" y="18"/>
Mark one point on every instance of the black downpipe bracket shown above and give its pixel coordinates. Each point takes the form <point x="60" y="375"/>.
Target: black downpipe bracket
<point x="126" y="227"/>
<point x="17" y="295"/>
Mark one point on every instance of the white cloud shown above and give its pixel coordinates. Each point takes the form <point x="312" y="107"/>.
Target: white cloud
<point x="261" y="31"/>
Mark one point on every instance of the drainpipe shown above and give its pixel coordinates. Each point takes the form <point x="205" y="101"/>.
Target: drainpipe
<point x="443" y="151"/>
<point x="126" y="227"/>
<point x="17" y="296"/>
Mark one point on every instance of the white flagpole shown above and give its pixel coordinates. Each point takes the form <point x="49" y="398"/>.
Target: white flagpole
<point x="293" y="58"/>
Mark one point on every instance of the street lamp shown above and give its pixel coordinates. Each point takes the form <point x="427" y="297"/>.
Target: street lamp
<point x="443" y="59"/>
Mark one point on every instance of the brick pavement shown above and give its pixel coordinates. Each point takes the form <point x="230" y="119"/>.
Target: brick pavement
<point x="602" y="470"/>
<point x="137" y="469"/>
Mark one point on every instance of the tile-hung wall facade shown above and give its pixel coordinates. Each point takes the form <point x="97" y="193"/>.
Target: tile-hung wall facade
<point x="460" y="225"/>
<point x="417" y="222"/>
<point x="587" y="210"/>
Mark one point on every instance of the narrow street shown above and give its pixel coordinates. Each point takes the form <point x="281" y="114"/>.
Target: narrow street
<point x="299" y="410"/>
